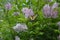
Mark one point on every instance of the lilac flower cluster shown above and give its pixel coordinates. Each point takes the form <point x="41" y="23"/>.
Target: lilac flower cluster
<point x="50" y="11"/>
<point x="8" y="6"/>
<point x="20" y="27"/>
<point x="28" y="12"/>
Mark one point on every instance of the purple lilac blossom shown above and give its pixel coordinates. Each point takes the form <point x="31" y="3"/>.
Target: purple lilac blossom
<point x="54" y="14"/>
<point x="55" y="5"/>
<point x="8" y="6"/>
<point x="49" y="11"/>
<point x="28" y="12"/>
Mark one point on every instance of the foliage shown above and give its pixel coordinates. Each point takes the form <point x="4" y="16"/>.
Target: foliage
<point x="39" y="29"/>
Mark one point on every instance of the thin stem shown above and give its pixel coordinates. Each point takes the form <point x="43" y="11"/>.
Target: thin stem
<point x="37" y="9"/>
<point x="7" y="18"/>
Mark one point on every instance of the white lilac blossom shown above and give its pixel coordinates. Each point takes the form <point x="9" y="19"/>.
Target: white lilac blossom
<point x="20" y="27"/>
<point x="8" y="6"/>
<point x="28" y="12"/>
<point x="49" y="11"/>
<point x="17" y="38"/>
<point x="16" y="13"/>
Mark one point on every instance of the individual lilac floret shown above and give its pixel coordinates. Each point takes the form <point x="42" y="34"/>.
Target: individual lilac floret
<point x="17" y="38"/>
<point x="20" y="27"/>
<point x="50" y="11"/>
<point x="8" y="6"/>
<point x="55" y="5"/>
<point x="28" y="12"/>
<point x="54" y="14"/>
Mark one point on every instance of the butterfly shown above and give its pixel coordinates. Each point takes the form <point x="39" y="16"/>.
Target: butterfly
<point x="33" y="17"/>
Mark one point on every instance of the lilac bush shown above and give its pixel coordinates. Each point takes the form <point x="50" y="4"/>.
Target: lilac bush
<point x="29" y="20"/>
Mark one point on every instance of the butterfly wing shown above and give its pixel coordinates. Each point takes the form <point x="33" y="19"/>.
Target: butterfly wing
<point x="33" y="17"/>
